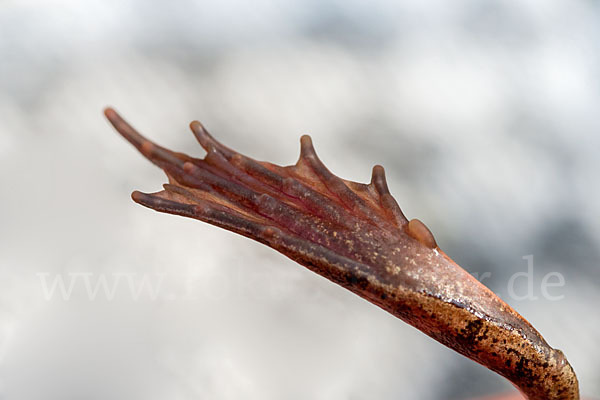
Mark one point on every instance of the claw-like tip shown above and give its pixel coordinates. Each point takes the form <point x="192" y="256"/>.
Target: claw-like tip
<point x="357" y="236"/>
<point x="196" y="125"/>
<point x="200" y="133"/>
<point x="306" y="147"/>
<point x="138" y="196"/>
<point x="109" y="112"/>
<point x="378" y="180"/>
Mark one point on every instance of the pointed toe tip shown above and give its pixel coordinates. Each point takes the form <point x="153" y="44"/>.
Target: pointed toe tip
<point x="378" y="173"/>
<point x="138" y="196"/>
<point x="196" y="125"/>
<point x="378" y="180"/>
<point x="306" y="140"/>
<point x="110" y="113"/>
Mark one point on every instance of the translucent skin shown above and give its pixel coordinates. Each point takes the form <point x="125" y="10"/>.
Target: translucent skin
<point x="356" y="236"/>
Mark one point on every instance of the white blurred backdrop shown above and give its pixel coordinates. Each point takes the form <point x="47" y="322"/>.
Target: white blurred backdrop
<point x="485" y="115"/>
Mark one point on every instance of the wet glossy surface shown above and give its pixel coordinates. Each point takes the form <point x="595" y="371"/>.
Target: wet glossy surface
<point x="355" y="235"/>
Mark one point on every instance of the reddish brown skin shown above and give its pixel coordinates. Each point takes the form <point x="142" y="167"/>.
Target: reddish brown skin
<point x="356" y="235"/>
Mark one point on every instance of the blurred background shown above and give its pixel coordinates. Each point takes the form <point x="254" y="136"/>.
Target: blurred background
<point x="485" y="115"/>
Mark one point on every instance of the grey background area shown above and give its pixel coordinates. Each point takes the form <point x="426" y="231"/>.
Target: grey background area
<point x="484" y="114"/>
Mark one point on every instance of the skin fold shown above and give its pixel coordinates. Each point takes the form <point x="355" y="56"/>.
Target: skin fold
<point x="355" y="235"/>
